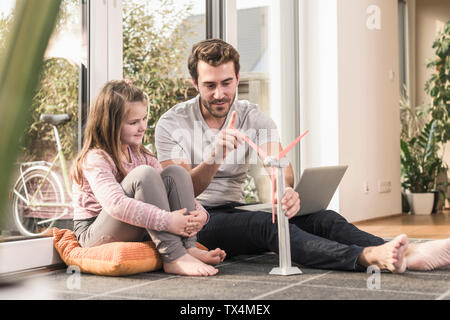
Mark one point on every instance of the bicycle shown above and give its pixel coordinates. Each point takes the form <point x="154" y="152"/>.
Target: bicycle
<point x="38" y="197"/>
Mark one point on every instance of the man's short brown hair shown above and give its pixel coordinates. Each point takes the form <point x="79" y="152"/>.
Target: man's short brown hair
<point x="214" y="52"/>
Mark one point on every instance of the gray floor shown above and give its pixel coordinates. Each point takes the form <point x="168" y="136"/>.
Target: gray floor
<point x="240" y="278"/>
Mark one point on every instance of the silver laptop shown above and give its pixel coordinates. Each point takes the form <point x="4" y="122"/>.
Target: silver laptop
<point x="316" y="189"/>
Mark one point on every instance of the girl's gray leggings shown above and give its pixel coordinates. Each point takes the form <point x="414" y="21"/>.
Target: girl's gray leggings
<point x="169" y="190"/>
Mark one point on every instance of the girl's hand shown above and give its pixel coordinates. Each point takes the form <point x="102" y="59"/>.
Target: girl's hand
<point x="198" y="219"/>
<point x="179" y="223"/>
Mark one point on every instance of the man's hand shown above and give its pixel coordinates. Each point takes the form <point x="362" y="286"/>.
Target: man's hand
<point x="227" y="140"/>
<point x="290" y="202"/>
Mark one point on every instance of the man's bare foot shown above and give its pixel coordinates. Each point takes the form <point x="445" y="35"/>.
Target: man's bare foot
<point x="210" y="257"/>
<point x="188" y="265"/>
<point x="428" y="255"/>
<point x="389" y="256"/>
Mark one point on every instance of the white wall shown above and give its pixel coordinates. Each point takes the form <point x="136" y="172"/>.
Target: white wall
<point x="318" y="85"/>
<point x="369" y="108"/>
<point x="350" y="97"/>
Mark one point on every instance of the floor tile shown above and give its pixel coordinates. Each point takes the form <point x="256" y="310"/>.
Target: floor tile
<point x="239" y="278"/>
<point x="92" y="284"/>
<point x="193" y="288"/>
<point x="310" y="292"/>
<point x="426" y="283"/>
<point x="258" y="269"/>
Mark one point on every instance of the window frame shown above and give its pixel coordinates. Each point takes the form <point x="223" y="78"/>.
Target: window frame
<point x="100" y="38"/>
<point x="215" y="18"/>
<point x="83" y="93"/>
<point x="285" y="90"/>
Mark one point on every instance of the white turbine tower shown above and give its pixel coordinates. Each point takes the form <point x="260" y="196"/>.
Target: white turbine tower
<point x="278" y="163"/>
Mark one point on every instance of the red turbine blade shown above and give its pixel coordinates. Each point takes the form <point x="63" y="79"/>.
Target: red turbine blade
<point x="261" y="153"/>
<point x="273" y="194"/>
<point x="289" y="147"/>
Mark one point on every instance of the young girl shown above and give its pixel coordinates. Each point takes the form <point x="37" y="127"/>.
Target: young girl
<point x="121" y="192"/>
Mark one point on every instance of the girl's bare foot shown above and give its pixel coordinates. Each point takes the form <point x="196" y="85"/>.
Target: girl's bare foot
<point x="428" y="255"/>
<point x="210" y="257"/>
<point x="389" y="256"/>
<point x="188" y="265"/>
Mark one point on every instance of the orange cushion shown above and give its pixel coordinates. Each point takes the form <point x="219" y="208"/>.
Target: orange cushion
<point x="109" y="259"/>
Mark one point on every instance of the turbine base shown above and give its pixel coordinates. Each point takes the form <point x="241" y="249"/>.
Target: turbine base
<point x="285" y="271"/>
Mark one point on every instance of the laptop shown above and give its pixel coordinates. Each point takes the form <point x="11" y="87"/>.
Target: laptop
<point x="316" y="189"/>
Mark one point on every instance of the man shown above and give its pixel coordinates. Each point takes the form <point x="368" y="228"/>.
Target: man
<point x="202" y="135"/>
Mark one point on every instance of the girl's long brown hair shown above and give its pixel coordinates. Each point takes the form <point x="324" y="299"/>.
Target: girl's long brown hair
<point x="103" y="125"/>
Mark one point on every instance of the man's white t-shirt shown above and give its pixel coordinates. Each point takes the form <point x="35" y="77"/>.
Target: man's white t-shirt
<point x="182" y="133"/>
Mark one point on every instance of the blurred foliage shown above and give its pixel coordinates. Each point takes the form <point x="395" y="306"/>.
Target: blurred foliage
<point x="438" y="86"/>
<point x="23" y="41"/>
<point x="154" y="55"/>
<point x="57" y="93"/>
<point x="5" y="28"/>
<point x="69" y="16"/>
<point x="251" y="193"/>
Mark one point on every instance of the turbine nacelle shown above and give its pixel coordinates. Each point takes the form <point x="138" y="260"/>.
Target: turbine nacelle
<point x="273" y="162"/>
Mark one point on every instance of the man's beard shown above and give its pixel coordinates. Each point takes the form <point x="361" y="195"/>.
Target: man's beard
<point x="217" y="114"/>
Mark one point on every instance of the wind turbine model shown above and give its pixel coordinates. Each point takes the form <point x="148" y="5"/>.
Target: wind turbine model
<point x="278" y="163"/>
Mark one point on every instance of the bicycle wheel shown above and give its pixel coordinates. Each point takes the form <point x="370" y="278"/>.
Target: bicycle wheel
<point x="33" y="221"/>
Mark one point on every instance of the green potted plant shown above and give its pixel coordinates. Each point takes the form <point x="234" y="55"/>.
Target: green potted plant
<point x="419" y="159"/>
<point x="425" y="132"/>
<point x="438" y="87"/>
